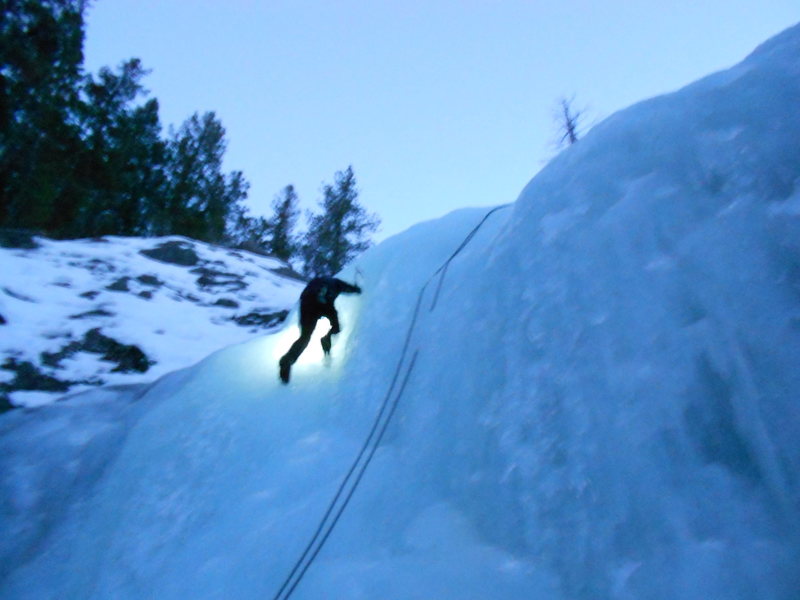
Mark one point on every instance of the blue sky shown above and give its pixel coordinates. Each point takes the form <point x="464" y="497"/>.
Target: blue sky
<point x="437" y="104"/>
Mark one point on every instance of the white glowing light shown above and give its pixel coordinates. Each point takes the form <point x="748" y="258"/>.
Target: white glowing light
<point x="313" y="354"/>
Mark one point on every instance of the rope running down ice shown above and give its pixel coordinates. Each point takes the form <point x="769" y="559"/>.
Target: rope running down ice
<point x="370" y="446"/>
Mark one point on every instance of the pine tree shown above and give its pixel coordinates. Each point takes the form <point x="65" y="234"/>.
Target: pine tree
<point x="274" y="236"/>
<point x="246" y="232"/>
<point x="341" y="232"/>
<point x="41" y="44"/>
<point x="200" y="199"/>
<point x="123" y="169"/>
<point x="83" y="156"/>
<point x="282" y="242"/>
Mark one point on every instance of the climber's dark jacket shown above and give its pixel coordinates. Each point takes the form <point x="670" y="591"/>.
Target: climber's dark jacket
<point x="316" y="301"/>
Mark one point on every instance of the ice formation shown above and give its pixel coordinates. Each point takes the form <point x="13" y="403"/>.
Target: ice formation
<point x="603" y="401"/>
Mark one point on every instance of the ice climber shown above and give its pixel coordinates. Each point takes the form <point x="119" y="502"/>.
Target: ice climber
<point x="316" y="301"/>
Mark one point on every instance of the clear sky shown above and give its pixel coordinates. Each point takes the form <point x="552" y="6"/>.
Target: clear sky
<point x="436" y="104"/>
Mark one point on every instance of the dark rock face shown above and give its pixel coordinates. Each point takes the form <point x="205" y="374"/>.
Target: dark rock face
<point x="176" y="253"/>
<point x="259" y="319"/>
<point x="210" y="278"/>
<point x="120" y="285"/>
<point x="18" y="295"/>
<point x="150" y="280"/>
<point x="17" y="238"/>
<point x="290" y="273"/>
<point x="27" y="376"/>
<point x="99" y="312"/>
<point x="3" y="319"/>
<point x="226" y="303"/>
<point x="127" y="356"/>
<point x="97" y="265"/>
<point x="253" y="247"/>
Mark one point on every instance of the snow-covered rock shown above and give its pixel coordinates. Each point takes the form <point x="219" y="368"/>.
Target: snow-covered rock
<point x="115" y="310"/>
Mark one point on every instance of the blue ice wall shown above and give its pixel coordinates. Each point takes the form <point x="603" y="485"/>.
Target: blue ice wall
<point x="603" y="401"/>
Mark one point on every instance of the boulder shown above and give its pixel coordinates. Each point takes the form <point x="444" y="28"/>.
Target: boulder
<point x="175" y="252"/>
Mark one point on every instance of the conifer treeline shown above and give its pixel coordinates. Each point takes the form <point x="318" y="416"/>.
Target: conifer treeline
<point x="83" y="155"/>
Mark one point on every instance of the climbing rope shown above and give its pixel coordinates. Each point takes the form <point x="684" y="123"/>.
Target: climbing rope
<point x="443" y="269"/>
<point x="379" y="426"/>
<point x="324" y="523"/>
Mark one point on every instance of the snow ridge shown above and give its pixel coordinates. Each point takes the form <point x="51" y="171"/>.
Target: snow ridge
<point x="116" y="310"/>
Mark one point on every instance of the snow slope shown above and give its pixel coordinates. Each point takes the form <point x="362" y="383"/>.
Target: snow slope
<point x="176" y="309"/>
<point x="599" y="399"/>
